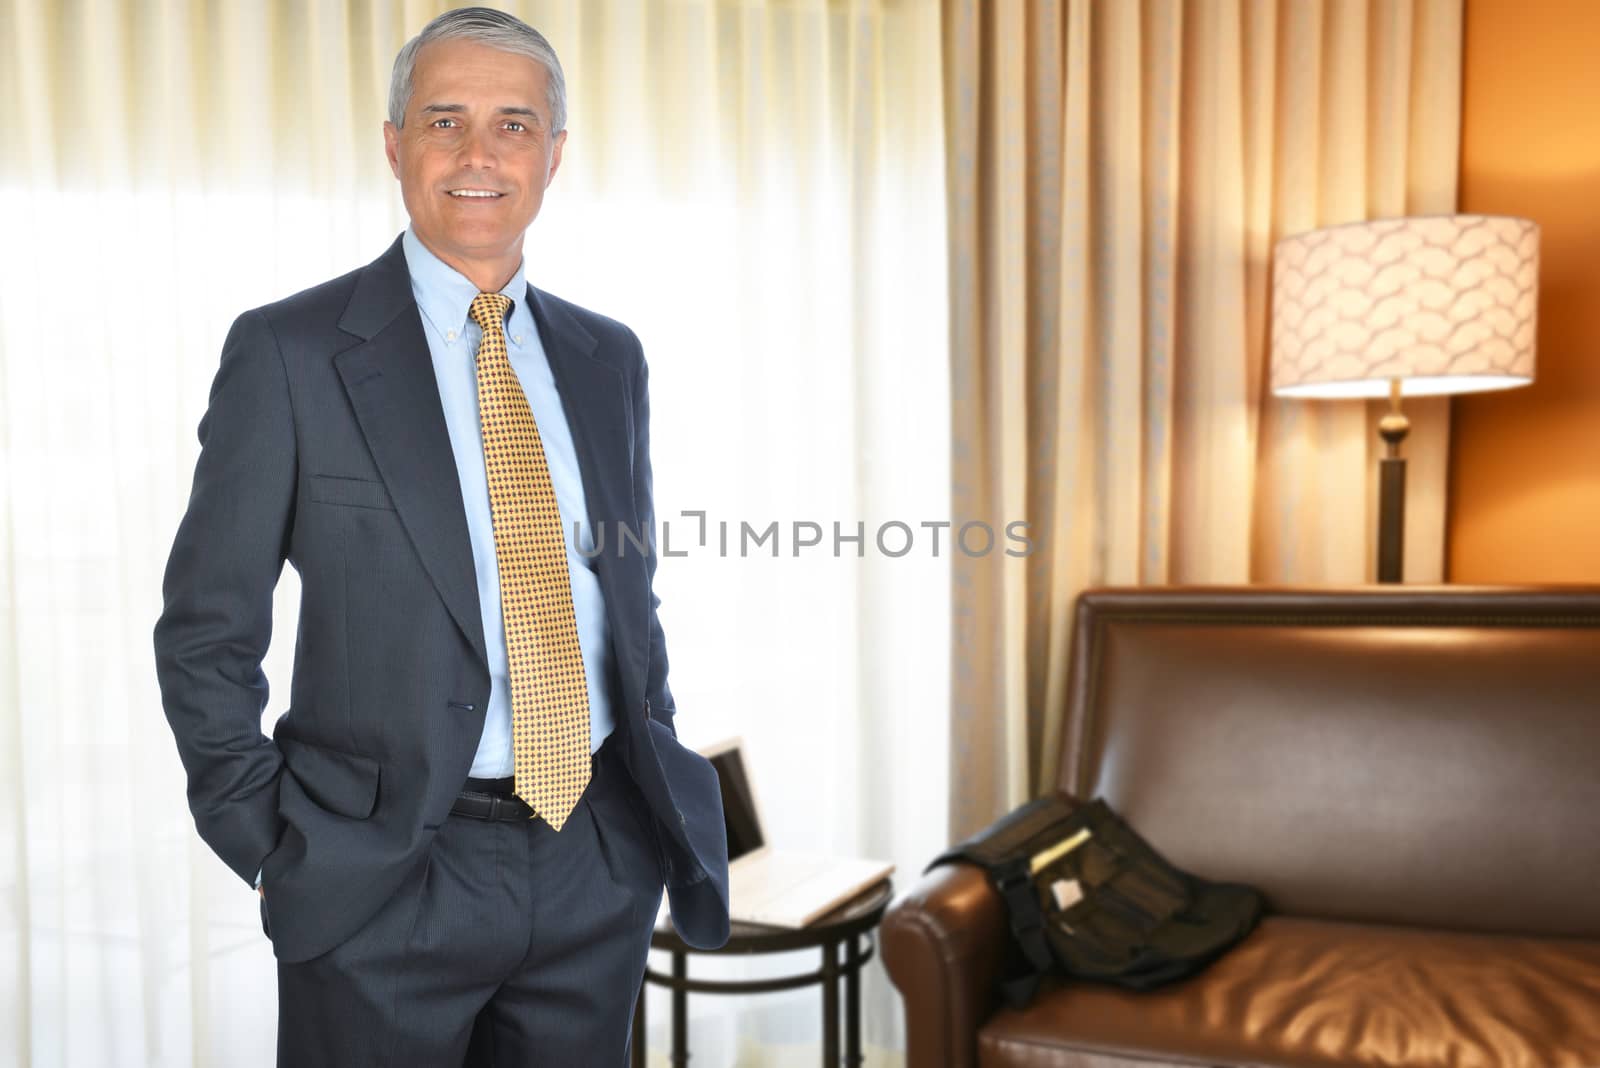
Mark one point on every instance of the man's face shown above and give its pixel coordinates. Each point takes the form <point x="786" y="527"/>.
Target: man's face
<point x="478" y="122"/>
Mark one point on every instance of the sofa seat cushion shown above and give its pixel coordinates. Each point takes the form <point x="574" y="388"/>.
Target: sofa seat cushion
<point x="1302" y="993"/>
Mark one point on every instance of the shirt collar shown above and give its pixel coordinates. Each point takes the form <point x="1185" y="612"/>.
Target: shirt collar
<point x="445" y="294"/>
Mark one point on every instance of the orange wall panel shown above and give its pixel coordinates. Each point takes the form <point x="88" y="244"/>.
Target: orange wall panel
<point x="1525" y="464"/>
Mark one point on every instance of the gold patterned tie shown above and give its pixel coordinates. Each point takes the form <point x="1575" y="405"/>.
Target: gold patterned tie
<point x="549" y="695"/>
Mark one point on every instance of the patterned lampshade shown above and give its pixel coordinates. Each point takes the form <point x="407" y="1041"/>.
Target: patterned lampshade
<point x="1445" y="303"/>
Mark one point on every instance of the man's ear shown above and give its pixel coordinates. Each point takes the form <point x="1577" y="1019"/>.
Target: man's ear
<point x="555" y="158"/>
<point x="391" y="146"/>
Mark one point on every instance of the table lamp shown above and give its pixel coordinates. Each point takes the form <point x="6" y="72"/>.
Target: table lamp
<point x="1418" y="306"/>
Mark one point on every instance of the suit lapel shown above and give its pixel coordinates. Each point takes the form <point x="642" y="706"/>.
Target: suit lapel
<point x="599" y="412"/>
<point x="389" y="378"/>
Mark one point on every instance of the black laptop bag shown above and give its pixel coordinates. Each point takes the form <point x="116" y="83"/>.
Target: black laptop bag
<point x="1088" y="898"/>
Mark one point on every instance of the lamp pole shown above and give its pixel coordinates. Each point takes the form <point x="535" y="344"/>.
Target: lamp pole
<point x="1392" y="489"/>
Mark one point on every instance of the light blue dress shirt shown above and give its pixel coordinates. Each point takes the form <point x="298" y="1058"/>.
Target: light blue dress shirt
<point x="444" y="295"/>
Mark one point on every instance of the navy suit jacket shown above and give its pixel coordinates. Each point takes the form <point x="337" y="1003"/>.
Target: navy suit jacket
<point x="324" y="443"/>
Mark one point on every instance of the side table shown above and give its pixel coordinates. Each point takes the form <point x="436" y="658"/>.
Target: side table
<point x="849" y="923"/>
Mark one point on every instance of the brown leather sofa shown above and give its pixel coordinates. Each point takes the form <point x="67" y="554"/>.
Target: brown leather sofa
<point x="1410" y="775"/>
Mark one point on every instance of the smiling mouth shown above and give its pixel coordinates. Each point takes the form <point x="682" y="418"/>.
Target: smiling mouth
<point x="475" y="194"/>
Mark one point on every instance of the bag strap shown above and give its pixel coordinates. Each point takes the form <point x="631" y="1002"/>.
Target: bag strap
<point x="998" y="850"/>
<point x="1014" y="882"/>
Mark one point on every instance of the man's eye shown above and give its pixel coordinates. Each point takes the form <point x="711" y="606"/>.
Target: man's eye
<point x="518" y="127"/>
<point x="436" y="122"/>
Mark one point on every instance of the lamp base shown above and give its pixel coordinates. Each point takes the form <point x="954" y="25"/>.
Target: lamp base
<point x="1391" y="518"/>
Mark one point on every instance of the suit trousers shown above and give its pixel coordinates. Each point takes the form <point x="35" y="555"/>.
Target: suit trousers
<point x="509" y="945"/>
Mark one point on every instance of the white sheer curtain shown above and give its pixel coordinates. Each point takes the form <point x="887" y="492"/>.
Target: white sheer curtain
<point x="756" y="188"/>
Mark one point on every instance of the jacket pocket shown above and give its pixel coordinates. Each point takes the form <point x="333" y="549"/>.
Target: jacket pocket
<point x="345" y="783"/>
<point x="353" y="492"/>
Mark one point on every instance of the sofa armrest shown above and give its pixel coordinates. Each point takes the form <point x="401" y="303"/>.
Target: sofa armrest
<point x="943" y="947"/>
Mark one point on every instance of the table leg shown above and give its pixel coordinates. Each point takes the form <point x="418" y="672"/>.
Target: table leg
<point x="637" y="1057"/>
<point x="830" y="1005"/>
<point x="680" y="1011"/>
<point x="852" y="1003"/>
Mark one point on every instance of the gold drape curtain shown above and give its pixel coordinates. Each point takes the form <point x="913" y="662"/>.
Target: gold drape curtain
<point x="1118" y="171"/>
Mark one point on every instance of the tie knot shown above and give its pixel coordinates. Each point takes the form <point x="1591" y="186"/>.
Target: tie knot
<point x="489" y="310"/>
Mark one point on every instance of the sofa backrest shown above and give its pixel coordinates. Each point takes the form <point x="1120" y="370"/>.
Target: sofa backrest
<point x="1410" y="755"/>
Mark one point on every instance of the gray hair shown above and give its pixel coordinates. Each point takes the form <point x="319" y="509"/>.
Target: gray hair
<point x="485" y="26"/>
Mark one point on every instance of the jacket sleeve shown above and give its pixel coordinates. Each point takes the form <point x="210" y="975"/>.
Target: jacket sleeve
<point x="656" y="691"/>
<point x="216" y="619"/>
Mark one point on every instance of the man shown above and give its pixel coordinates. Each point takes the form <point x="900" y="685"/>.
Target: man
<point x="462" y="824"/>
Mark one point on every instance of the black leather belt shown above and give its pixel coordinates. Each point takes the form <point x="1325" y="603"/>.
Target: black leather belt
<point x="492" y="799"/>
<point x="484" y="806"/>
